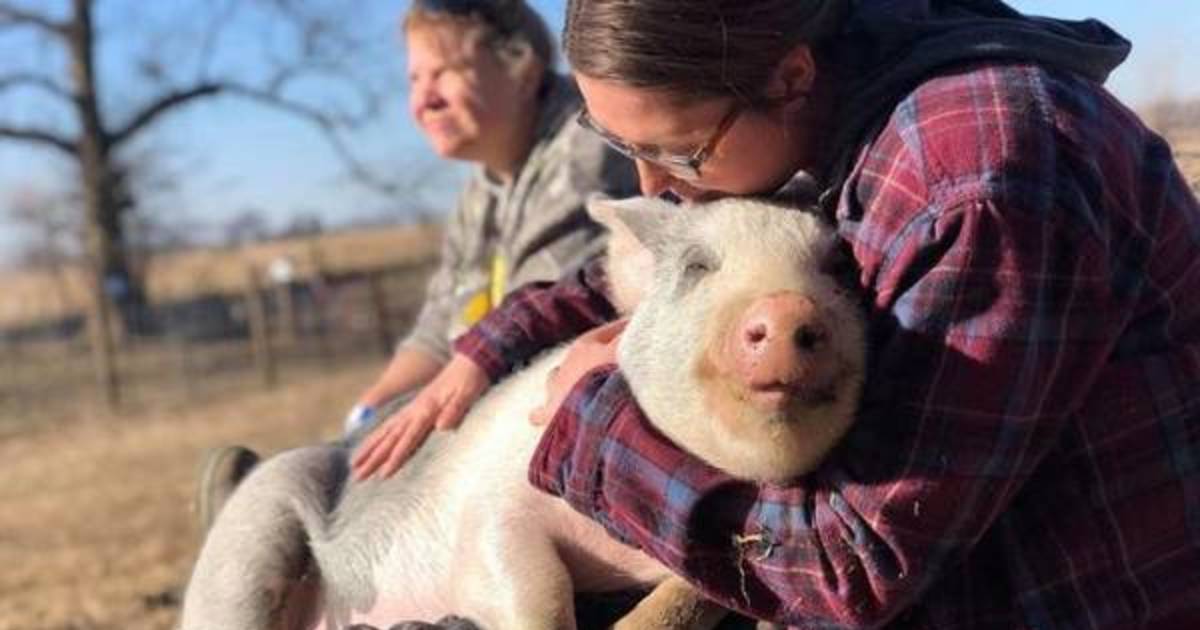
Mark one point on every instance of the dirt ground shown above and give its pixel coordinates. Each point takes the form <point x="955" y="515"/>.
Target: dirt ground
<point x="96" y="527"/>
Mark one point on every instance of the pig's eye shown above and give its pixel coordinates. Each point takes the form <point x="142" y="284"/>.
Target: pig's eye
<point x="697" y="262"/>
<point x="699" y="259"/>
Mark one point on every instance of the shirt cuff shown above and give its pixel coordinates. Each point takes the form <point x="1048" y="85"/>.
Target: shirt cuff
<point x="477" y="346"/>
<point x="567" y="460"/>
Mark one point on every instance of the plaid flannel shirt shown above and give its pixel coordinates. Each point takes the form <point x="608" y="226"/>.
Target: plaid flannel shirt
<point x="1027" y="453"/>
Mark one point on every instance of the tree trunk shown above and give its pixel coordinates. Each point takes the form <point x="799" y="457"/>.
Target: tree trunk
<point x="103" y="226"/>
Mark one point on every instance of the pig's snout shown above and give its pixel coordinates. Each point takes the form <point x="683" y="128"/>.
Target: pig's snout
<point x="775" y="347"/>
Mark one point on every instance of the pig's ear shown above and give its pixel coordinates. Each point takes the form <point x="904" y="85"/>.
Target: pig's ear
<point x="645" y="218"/>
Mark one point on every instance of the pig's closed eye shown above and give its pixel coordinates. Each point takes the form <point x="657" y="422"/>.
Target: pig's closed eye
<point x="698" y="259"/>
<point x="696" y="262"/>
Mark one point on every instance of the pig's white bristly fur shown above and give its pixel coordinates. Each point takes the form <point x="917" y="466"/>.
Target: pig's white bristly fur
<point x="459" y="530"/>
<point x="755" y="249"/>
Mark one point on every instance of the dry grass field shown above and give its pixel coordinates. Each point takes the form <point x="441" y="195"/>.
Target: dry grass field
<point x="32" y="296"/>
<point x="1187" y="154"/>
<point x="96" y="530"/>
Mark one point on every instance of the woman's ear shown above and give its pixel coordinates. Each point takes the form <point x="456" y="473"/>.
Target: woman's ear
<point x="529" y="72"/>
<point x="794" y="77"/>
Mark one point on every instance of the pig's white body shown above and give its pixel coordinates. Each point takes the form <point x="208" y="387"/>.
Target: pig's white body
<point x="742" y="350"/>
<point x="458" y="531"/>
<point x="487" y="511"/>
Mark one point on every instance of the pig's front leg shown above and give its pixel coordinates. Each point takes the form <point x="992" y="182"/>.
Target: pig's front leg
<point x="447" y="623"/>
<point x="673" y="605"/>
<point x="516" y="580"/>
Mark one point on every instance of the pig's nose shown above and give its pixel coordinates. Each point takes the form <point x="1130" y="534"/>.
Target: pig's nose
<point x="774" y="339"/>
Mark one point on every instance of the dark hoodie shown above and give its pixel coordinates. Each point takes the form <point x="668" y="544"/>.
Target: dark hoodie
<point x="887" y="47"/>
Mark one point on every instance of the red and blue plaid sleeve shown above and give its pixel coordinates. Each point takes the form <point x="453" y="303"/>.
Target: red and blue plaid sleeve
<point x="853" y="543"/>
<point x="536" y="317"/>
<point x="1020" y="456"/>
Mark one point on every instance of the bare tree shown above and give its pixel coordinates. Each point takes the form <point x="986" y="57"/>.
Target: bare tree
<point x="305" y="223"/>
<point x="247" y="226"/>
<point x="316" y="44"/>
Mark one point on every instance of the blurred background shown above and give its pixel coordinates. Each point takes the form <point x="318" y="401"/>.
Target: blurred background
<point x="240" y="183"/>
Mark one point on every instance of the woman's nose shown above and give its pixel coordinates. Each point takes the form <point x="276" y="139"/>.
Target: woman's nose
<point x="653" y="179"/>
<point x="423" y="95"/>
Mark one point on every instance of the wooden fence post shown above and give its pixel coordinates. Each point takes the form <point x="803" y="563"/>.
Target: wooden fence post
<point x="286" y="313"/>
<point x="181" y="348"/>
<point x="10" y="349"/>
<point x="104" y="359"/>
<point x="260" y="334"/>
<point x="383" y="324"/>
<point x="322" y="293"/>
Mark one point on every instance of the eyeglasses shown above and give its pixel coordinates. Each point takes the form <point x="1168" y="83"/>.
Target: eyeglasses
<point x="497" y="13"/>
<point x="686" y="167"/>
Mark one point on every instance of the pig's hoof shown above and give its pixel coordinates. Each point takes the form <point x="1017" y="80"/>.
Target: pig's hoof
<point x="452" y="622"/>
<point x="445" y="623"/>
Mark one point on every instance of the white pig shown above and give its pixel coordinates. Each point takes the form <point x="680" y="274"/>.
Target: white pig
<point x="742" y="349"/>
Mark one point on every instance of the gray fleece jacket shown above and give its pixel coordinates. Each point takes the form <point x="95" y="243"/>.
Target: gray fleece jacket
<point x="503" y="235"/>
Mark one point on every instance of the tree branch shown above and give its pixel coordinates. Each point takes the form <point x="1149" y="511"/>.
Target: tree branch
<point x="328" y="124"/>
<point x="39" y="136"/>
<point x="14" y="16"/>
<point x="29" y="79"/>
<point x="161" y="106"/>
<point x="268" y="96"/>
<point x="271" y="97"/>
<point x="212" y="34"/>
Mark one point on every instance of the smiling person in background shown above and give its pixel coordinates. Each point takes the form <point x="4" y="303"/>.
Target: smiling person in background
<point x="482" y="88"/>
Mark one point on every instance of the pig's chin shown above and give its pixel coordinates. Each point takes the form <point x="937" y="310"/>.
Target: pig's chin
<point x="776" y="432"/>
<point x="788" y="402"/>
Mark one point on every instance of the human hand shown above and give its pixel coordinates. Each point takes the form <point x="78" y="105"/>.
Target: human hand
<point x="441" y="404"/>
<point x="591" y="350"/>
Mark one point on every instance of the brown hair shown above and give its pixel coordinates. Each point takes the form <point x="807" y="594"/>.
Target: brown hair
<point x="509" y="27"/>
<point x="694" y="48"/>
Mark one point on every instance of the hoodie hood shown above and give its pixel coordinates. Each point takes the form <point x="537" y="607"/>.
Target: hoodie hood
<point x="885" y="48"/>
<point x="893" y="39"/>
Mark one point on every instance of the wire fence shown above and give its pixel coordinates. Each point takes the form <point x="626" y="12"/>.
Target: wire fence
<point x="212" y="344"/>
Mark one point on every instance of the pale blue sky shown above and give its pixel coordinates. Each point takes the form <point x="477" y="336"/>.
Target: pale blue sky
<point x="233" y="155"/>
